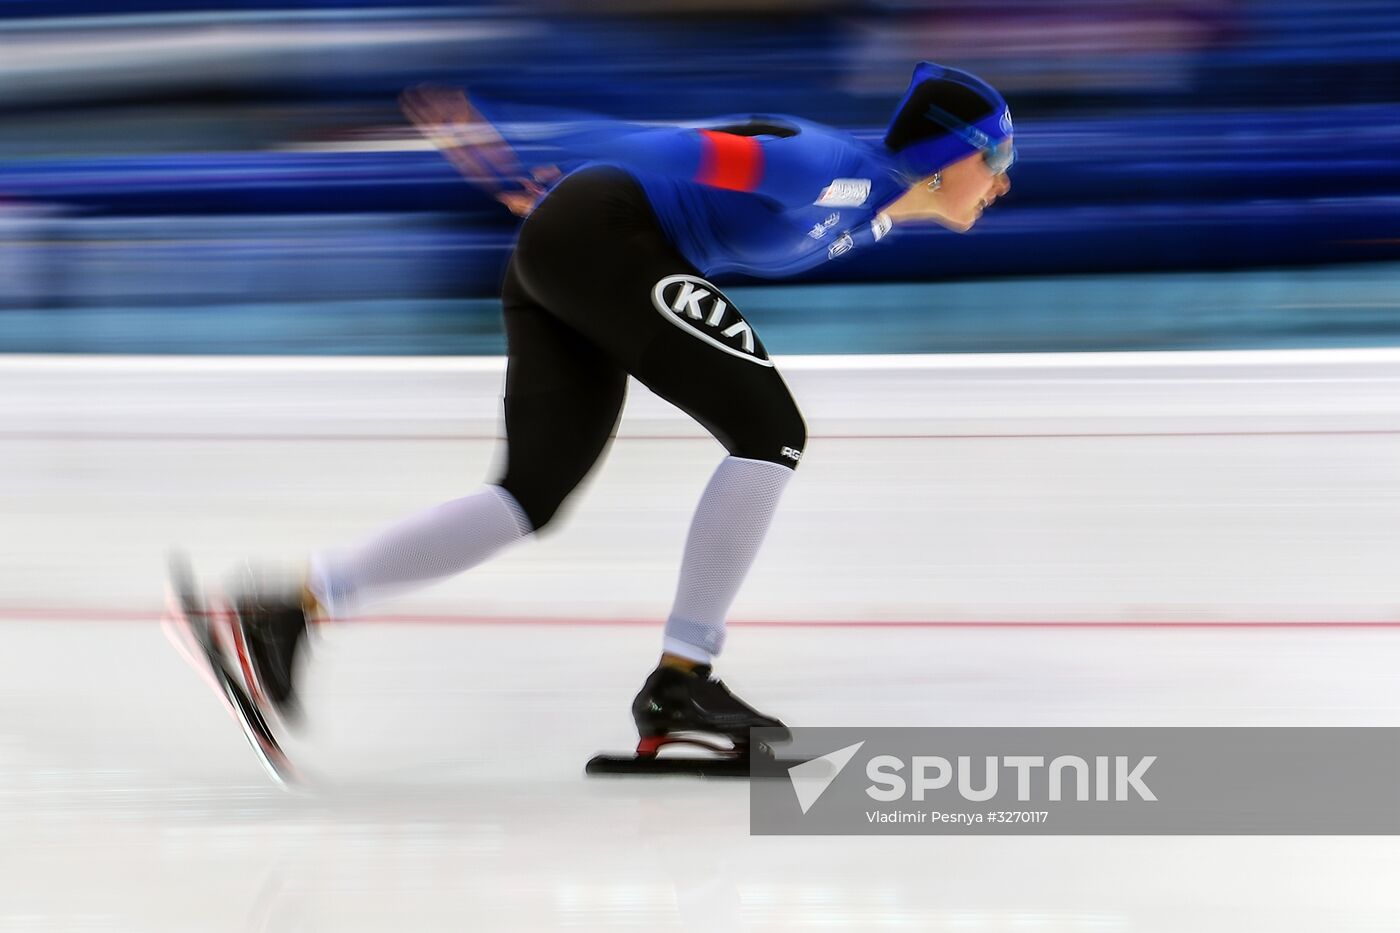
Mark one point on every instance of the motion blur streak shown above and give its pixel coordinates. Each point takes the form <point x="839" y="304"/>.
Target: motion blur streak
<point x="178" y="156"/>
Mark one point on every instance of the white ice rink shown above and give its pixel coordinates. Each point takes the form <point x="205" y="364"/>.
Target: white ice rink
<point x="1156" y="539"/>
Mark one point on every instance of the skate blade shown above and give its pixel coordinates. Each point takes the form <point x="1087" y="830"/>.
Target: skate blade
<point x="757" y="765"/>
<point x="696" y="766"/>
<point x="190" y="631"/>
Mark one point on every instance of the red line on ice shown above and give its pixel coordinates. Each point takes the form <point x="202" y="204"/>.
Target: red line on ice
<point x="154" y="614"/>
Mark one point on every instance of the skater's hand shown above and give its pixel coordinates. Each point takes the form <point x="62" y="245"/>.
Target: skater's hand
<point x="446" y="117"/>
<point x="523" y="201"/>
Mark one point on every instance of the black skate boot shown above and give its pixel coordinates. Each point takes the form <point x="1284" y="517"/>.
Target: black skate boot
<point x="208" y="635"/>
<point x="268" y="627"/>
<point x="693" y="707"/>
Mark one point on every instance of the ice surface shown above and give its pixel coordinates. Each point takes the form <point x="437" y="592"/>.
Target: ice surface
<point x="447" y="733"/>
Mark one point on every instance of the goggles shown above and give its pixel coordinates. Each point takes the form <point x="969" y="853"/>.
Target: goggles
<point x="998" y="156"/>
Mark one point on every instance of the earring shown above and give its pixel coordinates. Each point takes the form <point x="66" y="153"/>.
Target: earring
<point x="936" y="181"/>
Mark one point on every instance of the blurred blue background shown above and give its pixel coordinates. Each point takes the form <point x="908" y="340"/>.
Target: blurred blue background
<point x="189" y="177"/>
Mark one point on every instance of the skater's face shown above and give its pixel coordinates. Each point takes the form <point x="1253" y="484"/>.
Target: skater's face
<point x="957" y="196"/>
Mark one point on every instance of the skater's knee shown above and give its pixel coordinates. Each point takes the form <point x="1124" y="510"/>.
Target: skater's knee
<point x="778" y="435"/>
<point x="539" y="501"/>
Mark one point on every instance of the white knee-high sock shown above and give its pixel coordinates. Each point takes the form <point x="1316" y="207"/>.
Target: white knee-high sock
<point x="725" y="535"/>
<point x="435" y="543"/>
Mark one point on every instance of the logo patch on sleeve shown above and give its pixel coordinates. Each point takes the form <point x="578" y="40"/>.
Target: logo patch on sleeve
<point x="844" y="192"/>
<point x="880" y="226"/>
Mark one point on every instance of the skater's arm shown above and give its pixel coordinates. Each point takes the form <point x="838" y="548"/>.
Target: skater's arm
<point x="485" y="141"/>
<point x="469" y="141"/>
<point x="791" y="169"/>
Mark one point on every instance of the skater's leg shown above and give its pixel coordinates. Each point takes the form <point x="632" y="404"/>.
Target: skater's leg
<point x="757" y="420"/>
<point x="432" y="544"/>
<point x="751" y="411"/>
<point x="743" y="401"/>
<point x="563" y="399"/>
<point x="594" y="254"/>
<point x="631" y="294"/>
<point x="561" y="405"/>
<point x="563" y="396"/>
<point x="725" y="534"/>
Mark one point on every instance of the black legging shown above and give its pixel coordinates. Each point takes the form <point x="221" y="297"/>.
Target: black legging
<point x="591" y="296"/>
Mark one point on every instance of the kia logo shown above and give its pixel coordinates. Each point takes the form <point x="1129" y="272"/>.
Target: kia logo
<point x="701" y="310"/>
